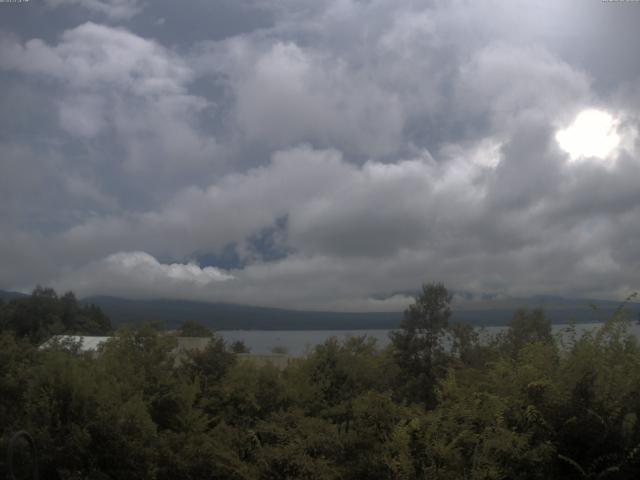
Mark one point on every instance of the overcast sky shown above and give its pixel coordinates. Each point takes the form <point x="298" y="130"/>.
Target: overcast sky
<point x="324" y="154"/>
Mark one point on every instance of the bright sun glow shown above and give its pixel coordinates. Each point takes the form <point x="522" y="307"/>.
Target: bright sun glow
<point x="593" y="133"/>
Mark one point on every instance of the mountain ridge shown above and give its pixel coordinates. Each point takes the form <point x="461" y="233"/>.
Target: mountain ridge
<point x="170" y="313"/>
<point x="230" y="316"/>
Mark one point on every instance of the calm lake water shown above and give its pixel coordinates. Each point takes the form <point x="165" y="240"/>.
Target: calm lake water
<point x="298" y="342"/>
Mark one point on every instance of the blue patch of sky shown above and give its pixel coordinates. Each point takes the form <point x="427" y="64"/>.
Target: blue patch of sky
<point x="267" y="246"/>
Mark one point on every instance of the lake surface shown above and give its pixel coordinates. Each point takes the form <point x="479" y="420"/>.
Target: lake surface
<point x="299" y="342"/>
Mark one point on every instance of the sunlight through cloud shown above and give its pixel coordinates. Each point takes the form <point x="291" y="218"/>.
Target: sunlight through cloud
<point x="593" y="133"/>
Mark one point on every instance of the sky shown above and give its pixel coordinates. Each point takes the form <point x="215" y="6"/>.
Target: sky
<point x="320" y="154"/>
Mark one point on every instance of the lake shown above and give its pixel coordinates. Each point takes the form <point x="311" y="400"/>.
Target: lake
<point x="298" y="342"/>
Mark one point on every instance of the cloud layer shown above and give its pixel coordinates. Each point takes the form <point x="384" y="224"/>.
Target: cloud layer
<point x="112" y="9"/>
<point x="317" y="154"/>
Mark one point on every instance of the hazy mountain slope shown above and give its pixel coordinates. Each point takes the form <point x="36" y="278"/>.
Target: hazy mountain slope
<point x="224" y="316"/>
<point x="7" y="295"/>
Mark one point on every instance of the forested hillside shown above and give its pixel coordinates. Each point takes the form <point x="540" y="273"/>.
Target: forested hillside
<point x="526" y="405"/>
<point x="44" y="313"/>
<point x="170" y="314"/>
<point x="226" y="316"/>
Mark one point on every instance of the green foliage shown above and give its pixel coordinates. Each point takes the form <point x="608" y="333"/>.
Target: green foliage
<point x="293" y="445"/>
<point x="44" y="313"/>
<point x="239" y="347"/>
<point x="418" y="344"/>
<point x="375" y="439"/>
<point x="467" y="348"/>
<point x="526" y="327"/>
<point x="279" y="350"/>
<point x="208" y="366"/>
<point x="190" y="328"/>
<point x="335" y="373"/>
<point x="524" y="405"/>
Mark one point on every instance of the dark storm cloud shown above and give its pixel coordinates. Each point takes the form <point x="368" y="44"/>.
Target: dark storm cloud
<point x="381" y="143"/>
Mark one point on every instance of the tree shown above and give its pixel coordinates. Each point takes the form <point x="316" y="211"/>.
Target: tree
<point x="209" y="365"/>
<point x="466" y="345"/>
<point x="90" y="320"/>
<point x="294" y="445"/>
<point x="190" y="328"/>
<point x="525" y="328"/>
<point x="44" y="313"/>
<point x="240" y="347"/>
<point x="417" y="345"/>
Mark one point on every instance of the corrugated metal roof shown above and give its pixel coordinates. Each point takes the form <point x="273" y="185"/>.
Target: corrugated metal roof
<point x="192" y="343"/>
<point x="87" y="343"/>
<point x="92" y="344"/>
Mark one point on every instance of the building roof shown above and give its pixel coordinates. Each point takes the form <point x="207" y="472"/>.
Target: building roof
<point x="87" y="343"/>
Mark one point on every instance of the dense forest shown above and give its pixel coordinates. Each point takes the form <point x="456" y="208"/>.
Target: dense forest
<point x="524" y="405"/>
<point x="43" y="313"/>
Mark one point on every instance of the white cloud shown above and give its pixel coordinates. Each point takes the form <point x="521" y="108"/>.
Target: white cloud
<point x="332" y="206"/>
<point x="431" y="151"/>
<point x="113" y="9"/>
<point x="415" y="77"/>
<point x="86" y="189"/>
<point x="114" y="82"/>
<point x="510" y="83"/>
<point x="358" y="231"/>
<point x="140" y="274"/>
<point x="485" y="153"/>
<point x="207" y="219"/>
<point x="83" y="115"/>
<point x="287" y="94"/>
<point x="593" y="133"/>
